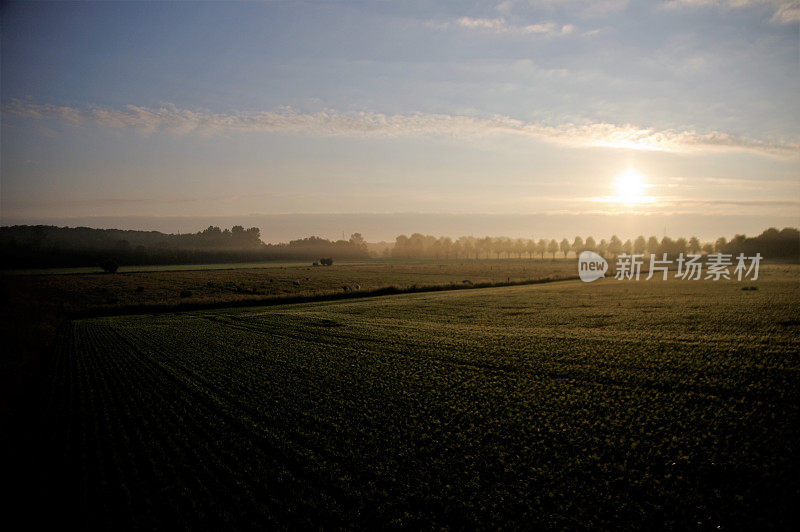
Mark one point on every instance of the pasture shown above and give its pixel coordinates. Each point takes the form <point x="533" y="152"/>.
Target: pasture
<point x="611" y="405"/>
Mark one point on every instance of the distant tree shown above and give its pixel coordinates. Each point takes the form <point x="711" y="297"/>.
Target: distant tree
<point x="720" y="244"/>
<point x="694" y="245"/>
<point x="428" y="245"/>
<point x="770" y="243"/>
<point x="789" y="242"/>
<point x="530" y="247"/>
<point x="639" y="245"/>
<point x="253" y="235"/>
<point x="400" y="246"/>
<point x="466" y="246"/>
<point x="552" y="248"/>
<point x="498" y="246"/>
<point x="590" y="244"/>
<point x="457" y="249"/>
<point x="541" y="247"/>
<point x="627" y="247"/>
<point x="564" y="246"/>
<point x="478" y="247"/>
<point x="486" y="245"/>
<point x="358" y="242"/>
<point x="416" y="244"/>
<point x="602" y="248"/>
<point x="447" y="246"/>
<point x="519" y="247"/>
<point x="243" y="238"/>
<point x="577" y="245"/>
<point x="508" y="246"/>
<point x="667" y="246"/>
<point x="652" y="245"/>
<point x="708" y="248"/>
<point x="436" y="248"/>
<point x="614" y="246"/>
<point x="681" y="246"/>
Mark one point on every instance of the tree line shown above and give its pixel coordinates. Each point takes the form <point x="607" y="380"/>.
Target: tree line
<point x="44" y="246"/>
<point x="52" y="247"/>
<point x="771" y="243"/>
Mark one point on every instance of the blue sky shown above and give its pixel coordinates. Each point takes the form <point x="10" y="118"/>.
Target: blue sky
<point x="168" y="115"/>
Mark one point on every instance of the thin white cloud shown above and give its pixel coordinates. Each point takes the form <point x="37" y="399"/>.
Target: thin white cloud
<point x="501" y="26"/>
<point x="586" y="8"/>
<point x="172" y="119"/>
<point x="495" y="24"/>
<point x="786" y="11"/>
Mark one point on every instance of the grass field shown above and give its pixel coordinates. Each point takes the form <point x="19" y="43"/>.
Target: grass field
<point x="167" y="267"/>
<point x="74" y="292"/>
<point x="614" y="405"/>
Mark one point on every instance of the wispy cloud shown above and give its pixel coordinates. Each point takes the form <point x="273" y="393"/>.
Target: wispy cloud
<point x="584" y="8"/>
<point x="172" y="119"/>
<point x="785" y="11"/>
<point x="500" y="25"/>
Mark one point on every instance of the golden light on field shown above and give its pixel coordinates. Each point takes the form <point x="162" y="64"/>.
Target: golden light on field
<point x="630" y="186"/>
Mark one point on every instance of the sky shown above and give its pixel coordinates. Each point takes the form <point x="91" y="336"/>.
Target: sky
<point x="537" y="118"/>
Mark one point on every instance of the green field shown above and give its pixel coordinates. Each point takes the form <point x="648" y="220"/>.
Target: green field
<point x="611" y="405"/>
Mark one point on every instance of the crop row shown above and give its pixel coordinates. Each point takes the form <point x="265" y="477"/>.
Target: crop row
<point x="445" y="410"/>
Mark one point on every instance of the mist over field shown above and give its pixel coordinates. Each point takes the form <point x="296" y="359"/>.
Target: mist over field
<point x="376" y="227"/>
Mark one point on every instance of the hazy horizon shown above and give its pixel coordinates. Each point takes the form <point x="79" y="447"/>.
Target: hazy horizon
<point x="380" y="227"/>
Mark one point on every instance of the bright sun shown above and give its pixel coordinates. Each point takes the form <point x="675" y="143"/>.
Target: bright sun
<point x="630" y="186"/>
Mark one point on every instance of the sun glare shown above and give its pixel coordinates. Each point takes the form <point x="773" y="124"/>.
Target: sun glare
<point x="630" y="186"/>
